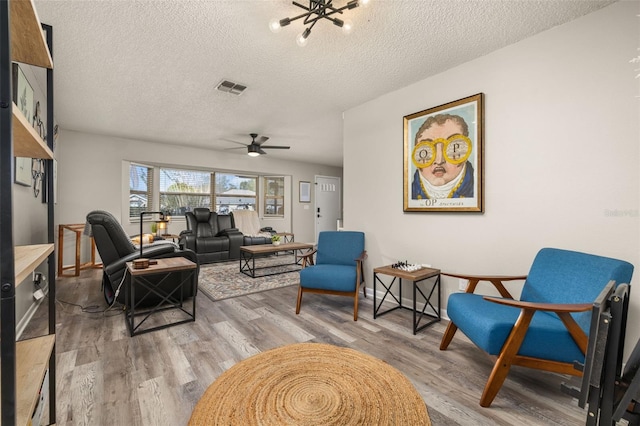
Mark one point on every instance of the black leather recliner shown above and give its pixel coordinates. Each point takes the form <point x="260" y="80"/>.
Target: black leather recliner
<point x="211" y="236"/>
<point x="116" y="249"/>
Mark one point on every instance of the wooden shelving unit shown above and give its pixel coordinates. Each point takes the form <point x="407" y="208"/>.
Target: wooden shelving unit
<point x="26" y="141"/>
<point x="32" y="362"/>
<point x="28" y="44"/>
<point x="23" y="364"/>
<point x="27" y="258"/>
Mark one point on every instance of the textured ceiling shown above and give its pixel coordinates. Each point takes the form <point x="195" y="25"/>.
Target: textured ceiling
<point x="147" y="70"/>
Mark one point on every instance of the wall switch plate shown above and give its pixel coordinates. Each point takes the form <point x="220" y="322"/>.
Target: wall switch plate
<point x="462" y="284"/>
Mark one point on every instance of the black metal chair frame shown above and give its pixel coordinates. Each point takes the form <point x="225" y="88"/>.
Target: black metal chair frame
<point x="611" y="395"/>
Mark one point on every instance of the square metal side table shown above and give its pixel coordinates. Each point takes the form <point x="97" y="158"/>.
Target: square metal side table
<point x="169" y="299"/>
<point x="416" y="278"/>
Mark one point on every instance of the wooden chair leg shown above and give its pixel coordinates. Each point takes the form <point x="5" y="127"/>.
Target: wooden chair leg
<point x="508" y="353"/>
<point x="299" y="302"/>
<point x="448" y="335"/>
<point x="355" y="305"/>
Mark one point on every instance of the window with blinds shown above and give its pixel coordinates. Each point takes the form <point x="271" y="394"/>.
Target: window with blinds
<point x="273" y="196"/>
<point x="140" y="189"/>
<point x="182" y="191"/>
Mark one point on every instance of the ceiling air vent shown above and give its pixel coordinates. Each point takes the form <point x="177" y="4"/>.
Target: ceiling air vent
<point x="231" y="87"/>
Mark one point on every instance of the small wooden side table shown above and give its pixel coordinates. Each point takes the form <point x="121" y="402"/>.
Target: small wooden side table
<point x="170" y="299"/>
<point x="287" y="237"/>
<point x="173" y="237"/>
<point x="416" y="277"/>
<point x="78" y="229"/>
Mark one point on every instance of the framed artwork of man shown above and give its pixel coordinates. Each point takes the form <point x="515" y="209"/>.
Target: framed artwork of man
<point x="443" y="157"/>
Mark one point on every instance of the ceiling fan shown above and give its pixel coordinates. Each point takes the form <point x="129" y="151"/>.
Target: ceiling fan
<point x="255" y="148"/>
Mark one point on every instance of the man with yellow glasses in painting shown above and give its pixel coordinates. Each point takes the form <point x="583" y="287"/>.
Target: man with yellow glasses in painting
<point x="442" y="147"/>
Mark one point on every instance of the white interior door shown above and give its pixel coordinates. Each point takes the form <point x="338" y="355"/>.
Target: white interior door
<point x="327" y="198"/>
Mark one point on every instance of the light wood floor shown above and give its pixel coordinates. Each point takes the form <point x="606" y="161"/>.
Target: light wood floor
<point x="105" y="377"/>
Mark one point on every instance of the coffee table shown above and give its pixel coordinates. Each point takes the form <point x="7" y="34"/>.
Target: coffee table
<point x="248" y="256"/>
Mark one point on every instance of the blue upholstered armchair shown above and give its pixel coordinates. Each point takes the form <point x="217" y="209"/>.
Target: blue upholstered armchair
<point x="338" y="268"/>
<point x="548" y="327"/>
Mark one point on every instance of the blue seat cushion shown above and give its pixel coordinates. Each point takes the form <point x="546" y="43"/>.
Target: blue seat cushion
<point x="329" y="277"/>
<point x="488" y="325"/>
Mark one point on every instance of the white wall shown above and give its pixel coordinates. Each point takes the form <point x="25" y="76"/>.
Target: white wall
<point x="561" y="156"/>
<point x="93" y="174"/>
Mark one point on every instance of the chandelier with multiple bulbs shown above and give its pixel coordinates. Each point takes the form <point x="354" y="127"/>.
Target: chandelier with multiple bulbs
<point x="316" y="11"/>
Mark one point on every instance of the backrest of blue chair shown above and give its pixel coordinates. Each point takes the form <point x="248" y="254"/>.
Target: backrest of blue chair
<point x="563" y="276"/>
<point x="339" y="247"/>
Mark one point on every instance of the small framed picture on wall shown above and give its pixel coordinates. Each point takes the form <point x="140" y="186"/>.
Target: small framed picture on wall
<point x="23" y="171"/>
<point x="305" y="192"/>
<point x="22" y="93"/>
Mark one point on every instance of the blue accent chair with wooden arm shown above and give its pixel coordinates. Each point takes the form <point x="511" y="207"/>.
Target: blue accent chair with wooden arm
<point x="548" y="327"/>
<point x="338" y="267"/>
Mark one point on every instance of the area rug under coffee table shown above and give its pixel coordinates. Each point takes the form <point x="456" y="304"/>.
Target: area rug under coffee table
<point x="311" y="384"/>
<point x="223" y="280"/>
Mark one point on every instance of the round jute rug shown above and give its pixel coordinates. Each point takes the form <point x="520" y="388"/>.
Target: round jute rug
<point x="311" y="384"/>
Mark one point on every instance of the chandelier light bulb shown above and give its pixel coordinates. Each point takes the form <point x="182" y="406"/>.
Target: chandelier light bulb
<point x="347" y="27"/>
<point x="274" y="25"/>
<point x="365" y="3"/>
<point x="302" y="38"/>
<point x="301" y="41"/>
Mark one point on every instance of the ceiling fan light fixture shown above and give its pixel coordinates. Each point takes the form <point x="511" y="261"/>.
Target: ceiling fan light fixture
<point x="253" y="150"/>
<point x="256" y="147"/>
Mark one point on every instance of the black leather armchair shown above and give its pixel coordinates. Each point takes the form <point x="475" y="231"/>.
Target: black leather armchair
<point x="116" y="249"/>
<point x="211" y="236"/>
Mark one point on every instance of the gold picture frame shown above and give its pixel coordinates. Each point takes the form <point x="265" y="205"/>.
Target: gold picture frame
<point x="443" y="157"/>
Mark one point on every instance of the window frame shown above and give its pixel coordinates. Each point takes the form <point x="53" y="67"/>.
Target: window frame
<point x="240" y="175"/>
<point x="266" y="197"/>
<point x="154" y="170"/>
<point x="148" y="192"/>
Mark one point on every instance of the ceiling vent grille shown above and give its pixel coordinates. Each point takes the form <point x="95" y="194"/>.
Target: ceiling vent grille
<point x="231" y="87"/>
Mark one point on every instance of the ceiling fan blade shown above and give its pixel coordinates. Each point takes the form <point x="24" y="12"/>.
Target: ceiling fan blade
<point x="236" y="147"/>
<point x="261" y="140"/>
<point x="239" y="143"/>
<point x="261" y="151"/>
<point x="275" y="147"/>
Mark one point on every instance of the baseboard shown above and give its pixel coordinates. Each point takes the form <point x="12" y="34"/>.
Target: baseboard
<point x="22" y="324"/>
